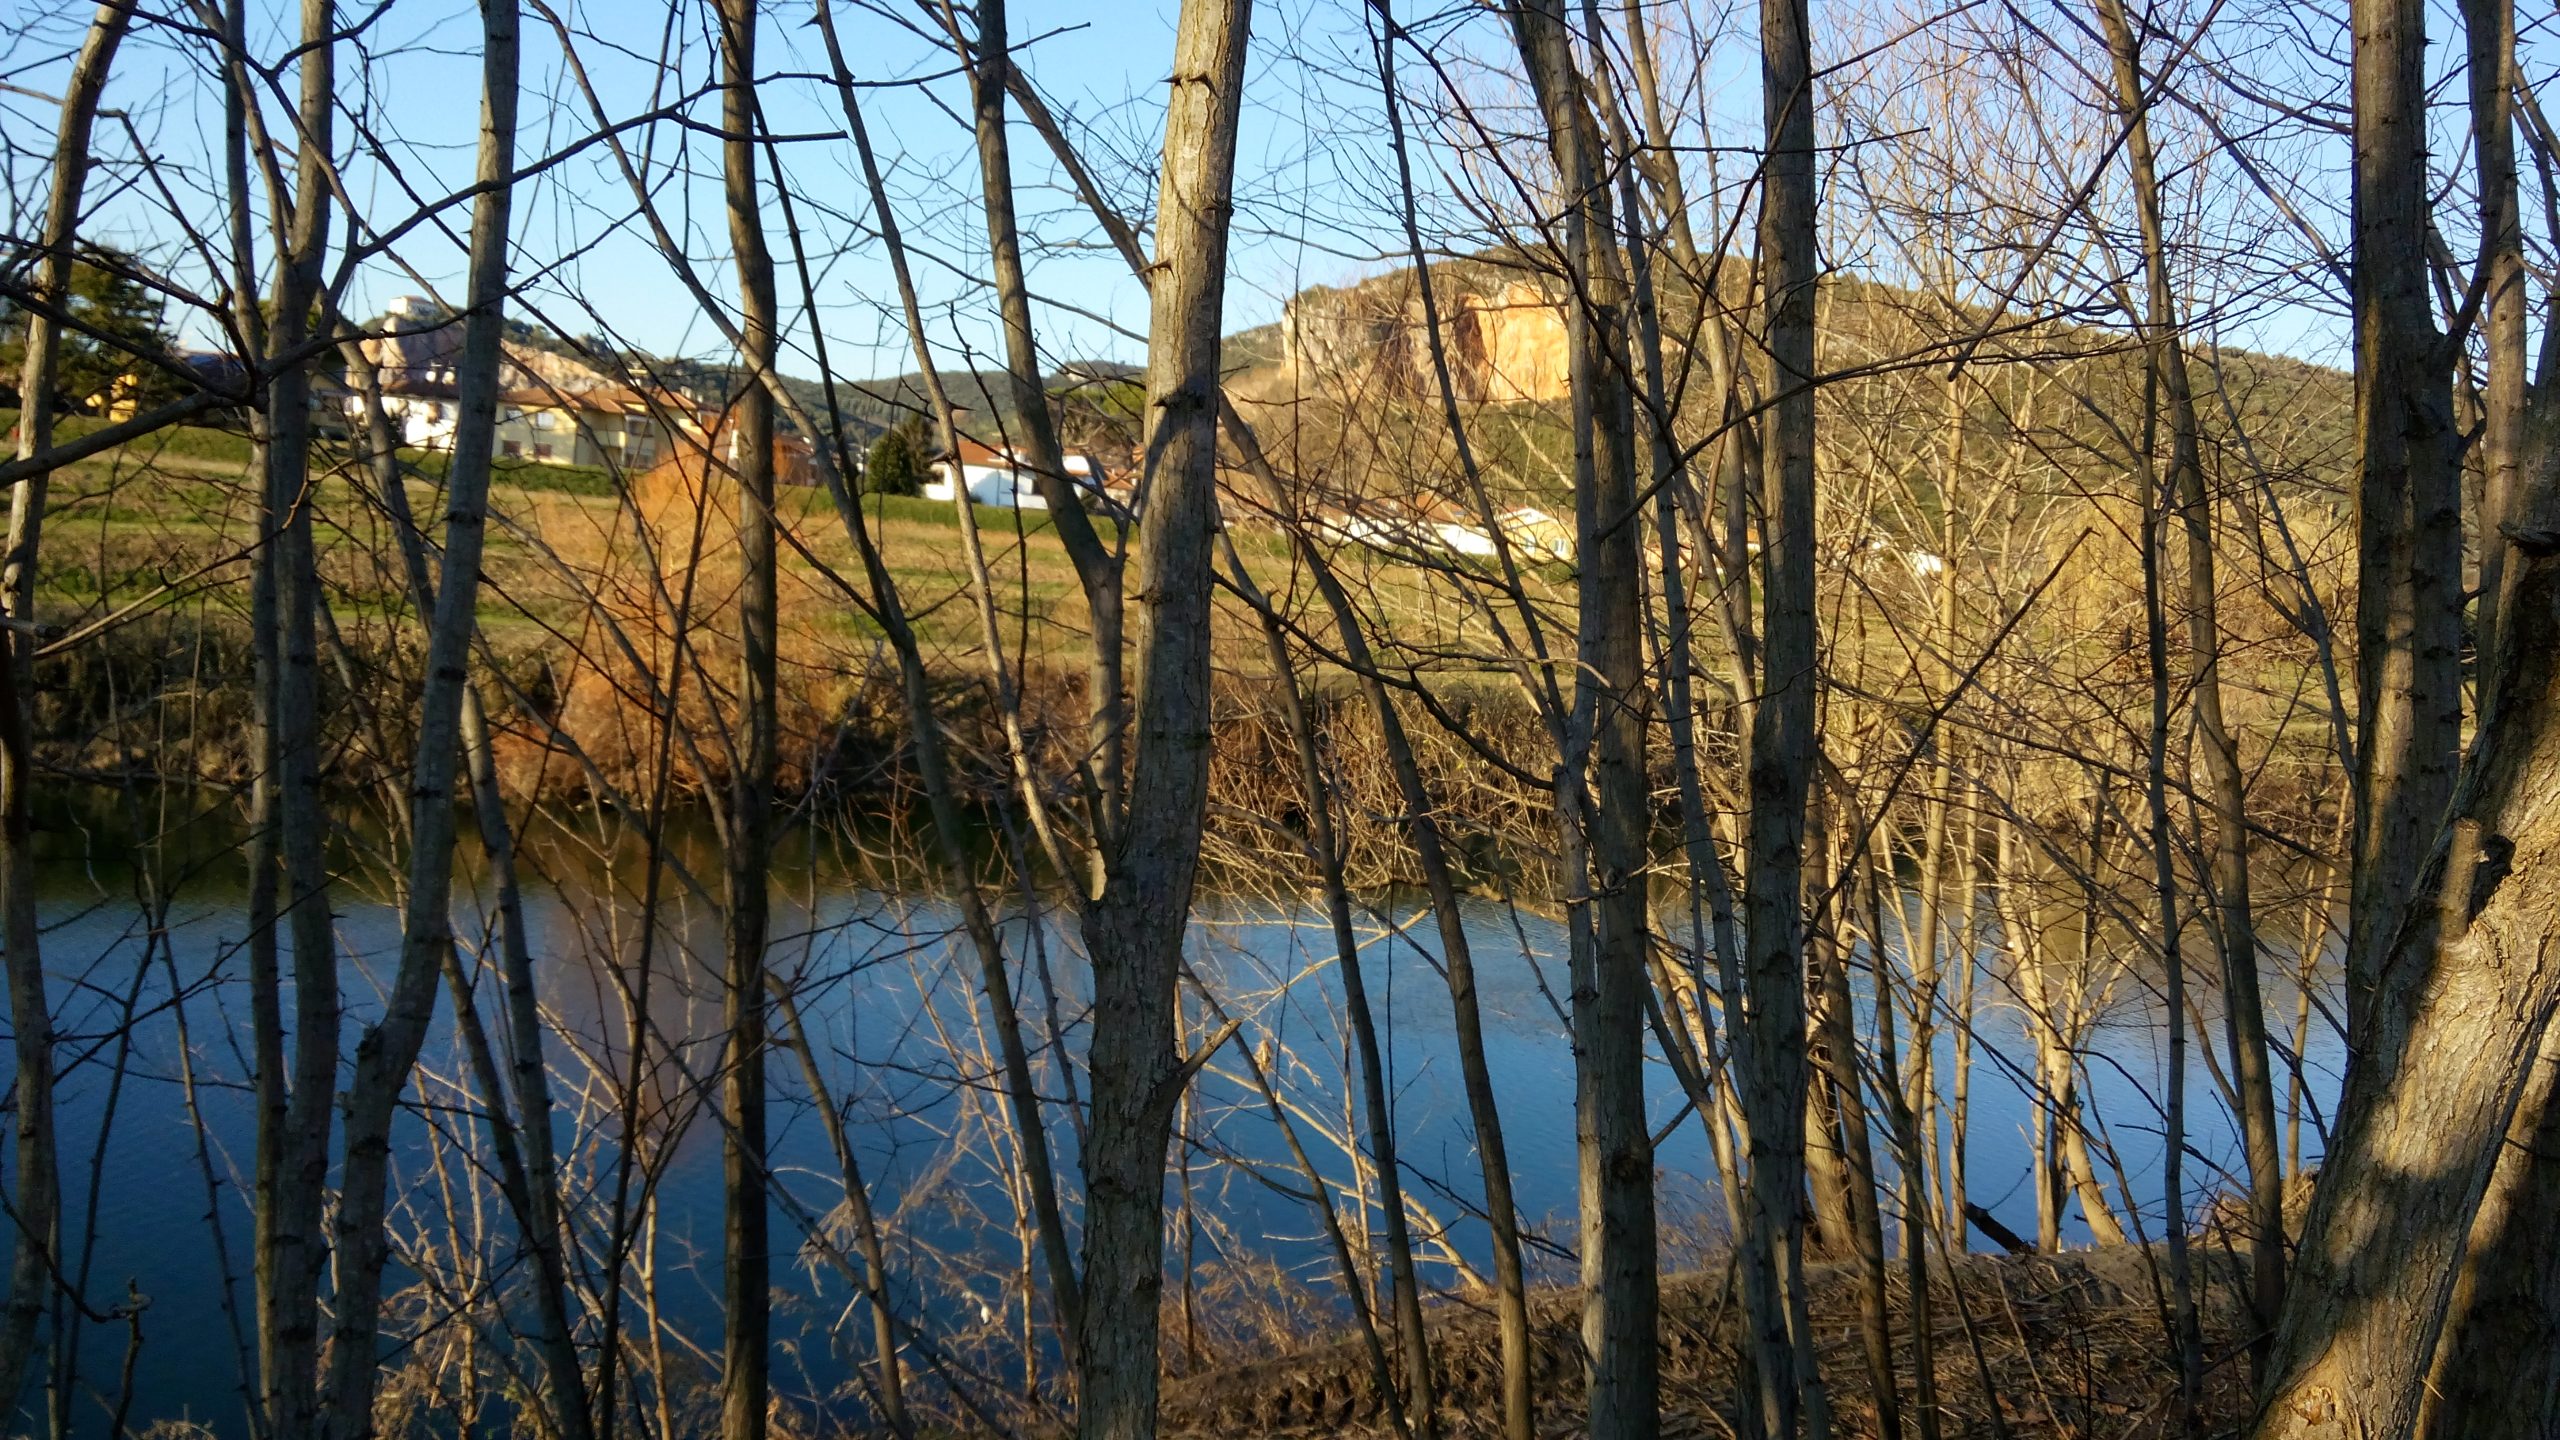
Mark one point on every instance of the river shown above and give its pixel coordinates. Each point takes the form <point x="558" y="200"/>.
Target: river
<point x="149" y="999"/>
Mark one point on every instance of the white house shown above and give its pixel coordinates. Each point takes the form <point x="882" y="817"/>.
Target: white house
<point x="1004" y="478"/>
<point x="423" y="411"/>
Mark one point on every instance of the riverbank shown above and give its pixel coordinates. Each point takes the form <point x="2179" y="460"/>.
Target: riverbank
<point x="2025" y="1346"/>
<point x="168" y="700"/>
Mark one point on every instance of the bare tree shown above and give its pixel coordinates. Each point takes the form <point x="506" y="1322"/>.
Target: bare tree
<point x="1600" y="781"/>
<point x="1770" y="1041"/>
<point x="748" y="847"/>
<point x="34" y="1212"/>
<point x="1136" y="925"/>
<point x="2409" y="514"/>
<point x="293" y="1159"/>
<point x="991" y="75"/>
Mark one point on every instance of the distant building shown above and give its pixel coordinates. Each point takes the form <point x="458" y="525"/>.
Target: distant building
<point x="1434" y="525"/>
<point x="1005" y="479"/>
<point x="614" y="428"/>
<point x="553" y="409"/>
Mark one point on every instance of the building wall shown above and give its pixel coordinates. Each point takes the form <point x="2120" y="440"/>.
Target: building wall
<point x="995" y="485"/>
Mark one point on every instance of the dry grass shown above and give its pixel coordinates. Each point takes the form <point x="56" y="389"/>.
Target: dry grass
<point x="2040" y="1346"/>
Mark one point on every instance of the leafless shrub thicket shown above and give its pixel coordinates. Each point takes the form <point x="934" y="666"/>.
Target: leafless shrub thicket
<point x="1810" y="562"/>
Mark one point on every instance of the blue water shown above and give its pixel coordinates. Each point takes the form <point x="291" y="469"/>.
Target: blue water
<point x="889" y="993"/>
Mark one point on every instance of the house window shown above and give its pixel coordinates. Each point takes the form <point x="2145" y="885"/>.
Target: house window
<point x="644" y="451"/>
<point x="542" y="450"/>
<point x="513" y="449"/>
<point x="544" y="420"/>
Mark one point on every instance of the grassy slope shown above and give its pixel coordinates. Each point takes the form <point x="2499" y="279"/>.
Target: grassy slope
<point x="179" y="508"/>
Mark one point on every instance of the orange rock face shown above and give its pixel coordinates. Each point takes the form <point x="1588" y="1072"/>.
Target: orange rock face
<point x="1506" y="341"/>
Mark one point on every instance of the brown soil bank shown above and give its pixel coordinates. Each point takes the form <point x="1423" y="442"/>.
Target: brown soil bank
<point x="2025" y="1346"/>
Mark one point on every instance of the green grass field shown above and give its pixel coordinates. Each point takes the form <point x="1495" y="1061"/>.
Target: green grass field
<point x="169" y="521"/>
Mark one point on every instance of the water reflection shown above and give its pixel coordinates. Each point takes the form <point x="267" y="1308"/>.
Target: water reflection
<point x="145" y="914"/>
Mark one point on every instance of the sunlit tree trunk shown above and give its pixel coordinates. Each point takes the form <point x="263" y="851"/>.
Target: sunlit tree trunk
<point x="292" y="1256"/>
<point x="389" y="1049"/>
<point x="1601" y="809"/>
<point x="1770" y="1041"/>
<point x="2497" y="1377"/>
<point x="2420" y="1131"/>
<point x="1134" y="930"/>
<point x="2409" y="520"/>
<point x="2460" y="980"/>
<point x="38" y="1199"/>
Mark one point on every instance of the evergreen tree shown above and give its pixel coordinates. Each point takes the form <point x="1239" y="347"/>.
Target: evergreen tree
<point x="108" y="353"/>
<point x="899" y="460"/>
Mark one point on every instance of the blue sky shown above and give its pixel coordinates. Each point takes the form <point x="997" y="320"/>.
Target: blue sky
<point x="595" y="268"/>
<point x="1315" y="186"/>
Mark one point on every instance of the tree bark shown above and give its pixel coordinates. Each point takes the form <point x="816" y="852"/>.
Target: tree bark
<point x="2498" y="1378"/>
<point x="1134" y="931"/>
<point x="746" y="899"/>
<point x="1771" y="1042"/>
<point x="2409" y="521"/>
<point x="36" y="1206"/>
<point x="1602" y="810"/>
<point x="2420" y="1129"/>
<point x="389" y="1049"/>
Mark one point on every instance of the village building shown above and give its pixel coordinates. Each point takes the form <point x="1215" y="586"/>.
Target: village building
<point x="1433" y="525"/>
<point x="1005" y="478"/>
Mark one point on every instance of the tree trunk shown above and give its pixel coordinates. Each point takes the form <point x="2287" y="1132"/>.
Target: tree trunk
<point x="2490" y="28"/>
<point x="1836" y="1047"/>
<point x="2235" y="930"/>
<point x="746" y="900"/>
<point x="1419" y="819"/>
<point x="521" y="1134"/>
<point x="1771" y="1042"/>
<point x="37" y="1203"/>
<point x="1135" y="929"/>
<point x="1421" y="824"/>
<point x="2409" y="521"/>
<point x="293" y="1256"/>
<point x="390" y="1048"/>
<point x="2421" y="1128"/>
<point x="1604" y="813"/>
<point x="2497" y="1377"/>
<point x="932" y="770"/>
<point x="1097" y="565"/>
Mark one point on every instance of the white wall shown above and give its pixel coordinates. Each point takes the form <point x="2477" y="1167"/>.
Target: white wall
<point x="989" y="485"/>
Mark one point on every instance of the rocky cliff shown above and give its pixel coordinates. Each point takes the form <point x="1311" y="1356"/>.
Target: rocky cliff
<point x="1504" y="333"/>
